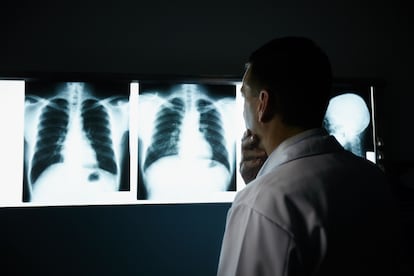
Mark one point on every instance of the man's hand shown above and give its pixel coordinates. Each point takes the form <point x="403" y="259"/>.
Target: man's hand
<point x="252" y="156"/>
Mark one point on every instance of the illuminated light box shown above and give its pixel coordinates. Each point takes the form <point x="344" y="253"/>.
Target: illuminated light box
<point x="95" y="142"/>
<point x="11" y="146"/>
<point x="100" y="142"/>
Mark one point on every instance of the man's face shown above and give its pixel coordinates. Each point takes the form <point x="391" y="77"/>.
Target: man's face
<point x="250" y="99"/>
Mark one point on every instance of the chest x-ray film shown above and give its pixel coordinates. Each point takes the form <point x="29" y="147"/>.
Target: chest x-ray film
<point x="75" y="141"/>
<point x="350" y="118"/>
<point x="186" y="134"/>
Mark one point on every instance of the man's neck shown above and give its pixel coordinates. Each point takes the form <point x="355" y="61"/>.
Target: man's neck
<point x="275" y="132"/>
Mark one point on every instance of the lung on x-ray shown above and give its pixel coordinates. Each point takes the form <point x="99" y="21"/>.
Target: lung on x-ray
<point x="186" y="147"/>
<point x="76" y="141"/>
<point x="350" y="118"/>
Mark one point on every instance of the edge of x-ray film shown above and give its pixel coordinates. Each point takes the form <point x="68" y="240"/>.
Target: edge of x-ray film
<point x="372" y="156"/>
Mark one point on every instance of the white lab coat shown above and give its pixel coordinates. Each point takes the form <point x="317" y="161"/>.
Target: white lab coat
<point x="314" y="209"/>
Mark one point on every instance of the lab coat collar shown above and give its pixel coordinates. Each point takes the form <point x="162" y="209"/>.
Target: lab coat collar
<point x="307" y="143"/>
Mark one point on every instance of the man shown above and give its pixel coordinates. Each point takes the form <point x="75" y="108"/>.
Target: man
<point x="313" y="208"/>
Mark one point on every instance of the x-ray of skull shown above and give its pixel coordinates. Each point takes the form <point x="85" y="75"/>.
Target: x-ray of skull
<point x="349" y="118"/>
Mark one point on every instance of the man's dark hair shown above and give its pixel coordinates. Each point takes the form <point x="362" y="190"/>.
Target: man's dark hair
<point x="298" y="76"/>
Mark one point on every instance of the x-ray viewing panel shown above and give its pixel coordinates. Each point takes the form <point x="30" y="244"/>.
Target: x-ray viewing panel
<point x="350" y="118"/>
<point x="186" y="141"/>
<point x="103" y="143"/>
<point x="141" y="142"/>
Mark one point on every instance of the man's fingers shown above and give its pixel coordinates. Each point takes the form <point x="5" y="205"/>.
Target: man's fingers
<point x="249" y="142"/>
<point x="250" y="168"/>
<point x="251" y="165"/>
<point x="251" y="154"/>
<point x="246" y="133"/>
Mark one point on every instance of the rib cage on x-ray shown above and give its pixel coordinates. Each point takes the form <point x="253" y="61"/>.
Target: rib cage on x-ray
<point x="96" y="125"/>
<point x="53" y="127"/>
<point x="167" y="131"/>
<point x="83" y="135"/>
<point x="187" y="137"/>
<point x="211" y="127"/>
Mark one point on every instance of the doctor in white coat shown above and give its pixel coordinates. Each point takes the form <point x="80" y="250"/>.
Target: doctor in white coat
<point x="313" y="208"/>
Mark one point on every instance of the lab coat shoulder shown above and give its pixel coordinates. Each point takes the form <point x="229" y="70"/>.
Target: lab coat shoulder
<point x="292" y="196"/>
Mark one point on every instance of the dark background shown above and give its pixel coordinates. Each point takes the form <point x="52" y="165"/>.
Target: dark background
<point x="364" y="39"/>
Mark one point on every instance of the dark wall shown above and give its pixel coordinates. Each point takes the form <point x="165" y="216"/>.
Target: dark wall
<point x="112" y="240"/>
<point x="364" y="39"/>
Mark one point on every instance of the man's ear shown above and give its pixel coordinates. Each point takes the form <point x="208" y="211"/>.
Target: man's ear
<point x="265" y="112"/>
